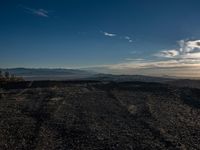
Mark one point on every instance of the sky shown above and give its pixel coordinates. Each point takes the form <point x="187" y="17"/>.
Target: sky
<point x="109" y="36"/>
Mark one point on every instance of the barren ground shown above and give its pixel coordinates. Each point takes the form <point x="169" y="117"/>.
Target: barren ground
<point x="98" y="115"/>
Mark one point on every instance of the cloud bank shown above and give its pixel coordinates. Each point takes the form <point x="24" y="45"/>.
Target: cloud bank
<point x="182" y="62"/>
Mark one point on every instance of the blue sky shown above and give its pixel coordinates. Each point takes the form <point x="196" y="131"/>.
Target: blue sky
<point x="116" y="36"/>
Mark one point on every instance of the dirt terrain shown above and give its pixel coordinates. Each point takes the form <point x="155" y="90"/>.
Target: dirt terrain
<point x="92" y="115"/>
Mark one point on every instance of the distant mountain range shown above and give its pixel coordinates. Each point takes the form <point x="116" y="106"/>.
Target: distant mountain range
<point x="49" y="74"/>
<point x="129" y="78"/>
<point x="30" y="74"/>
<point x="73" y="74"/>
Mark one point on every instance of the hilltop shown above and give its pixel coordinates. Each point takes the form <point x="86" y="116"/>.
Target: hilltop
<point x="98" y="115"/>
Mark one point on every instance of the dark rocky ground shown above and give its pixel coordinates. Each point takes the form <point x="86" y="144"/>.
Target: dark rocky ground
<point x="98" y="116"/>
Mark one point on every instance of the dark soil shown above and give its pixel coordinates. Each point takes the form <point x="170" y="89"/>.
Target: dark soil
<point x="93" y="115"/>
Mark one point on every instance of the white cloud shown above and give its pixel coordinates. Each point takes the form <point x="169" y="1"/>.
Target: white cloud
<point x="167" y="53"/>
<point x="191" y="55"/>
<point x="187" y="49"/>
<point x="37" y="12"/>
<point x="109" y="34"/>
<point x="189" y="46"/>
<point x="115" y="35"/>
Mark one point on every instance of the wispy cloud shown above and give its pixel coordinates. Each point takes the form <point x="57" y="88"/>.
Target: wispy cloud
<point x="134" y="59"/>
<point x="134" y="52"/>
<point x="128" y="38"/>
<point x="38" y="12"/>
<point x="132" y="65"/>
<point x="109" y="34"/>
<point x="167" y="53"/>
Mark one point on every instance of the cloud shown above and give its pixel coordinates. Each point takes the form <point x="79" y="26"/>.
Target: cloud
<point x="134" y="52"/>
<point x="116" y="35"/>
<point x="167" y="53"/>
<point x="182" y="62"/>
<point x="186" y="49"/>
<point x="130" y="41"/>
<point x="189" y="46"/>
<point x="109" y="34"/>
<point x="41" y="12"/>
<point x="179" y="68"/>
<point x="134" y="59"/>
<point x="128" y="38"/>
<point x="37" y="12"/>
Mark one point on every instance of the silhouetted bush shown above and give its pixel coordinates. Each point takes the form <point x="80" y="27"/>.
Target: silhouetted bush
<point x="6" y="76"/>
